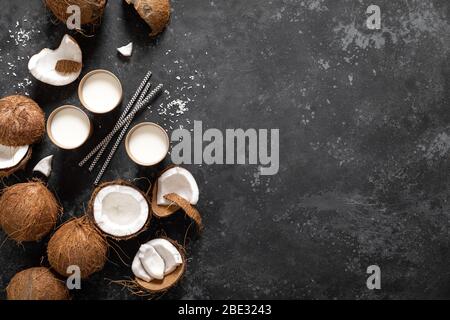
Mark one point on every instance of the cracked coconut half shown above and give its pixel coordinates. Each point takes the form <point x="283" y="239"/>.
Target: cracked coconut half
<point x="158" y="265"/>
<point x="22" y="123"/>
<point x="156" y="13"/>
<point x="176" y="189"/>
<point x="119" y="209"/>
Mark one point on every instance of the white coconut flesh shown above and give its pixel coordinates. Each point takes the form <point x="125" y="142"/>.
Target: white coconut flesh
<point x="12" y="156"/>
<point x="127" y="50"/>
<point x="139" y="270"/>
<point x="156" y="259"/>
<point x="152" y="262"/>
<point x="168" y="252"/>
<point x="180" y="181"/>
<point x="120" y="211"/>
<point x="44" y="166"/>
<point x="43" y="65"/>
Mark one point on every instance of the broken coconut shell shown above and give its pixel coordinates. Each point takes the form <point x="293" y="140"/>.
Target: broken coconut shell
<point x="28" y="211"/>
<point x="177" y="203"/>
<point x="22" y="121"/>
<point x="156" y="13"/>
<point x="91" y="10"/>
<point x="77" y="242"/>
<point x="170" y="280"/>
<point x="36" y="284"/>
<point x="190" y="211"/>
<point x="21" y="165"/>
<point x="119" y="182"/>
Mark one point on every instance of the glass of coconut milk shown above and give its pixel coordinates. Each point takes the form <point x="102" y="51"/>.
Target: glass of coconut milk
<point x="147" y="144"/>
<point x="100" y="91"/>
<point x="69" y="127"/>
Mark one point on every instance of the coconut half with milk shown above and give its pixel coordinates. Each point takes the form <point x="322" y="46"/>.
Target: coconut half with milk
<point x="22" y="123"/>
<point x="119" y="209"/>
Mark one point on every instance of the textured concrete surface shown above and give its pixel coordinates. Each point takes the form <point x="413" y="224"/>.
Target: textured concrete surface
<point x="364" y="142"/>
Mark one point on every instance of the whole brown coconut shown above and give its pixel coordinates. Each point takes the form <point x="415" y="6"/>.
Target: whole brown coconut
<point x="156" y="13"/>
<point x="28" y="211"/>
<point x="77" y="243"/>
<point x="22" y="121"/>
<point x="36" y="284"/>
<point x="91" y="10"/>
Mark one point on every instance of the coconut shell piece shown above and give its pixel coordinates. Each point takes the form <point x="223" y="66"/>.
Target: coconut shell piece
<point x="170" y="280"/>
<point x="21" y="165"/>
<point x="22" y="121"/>
<point x="36" y="284"/>
<point x="156" y="13"/>
<point x="77" y="242"/>
<point x="90" y="211"/>
<point x="28" y="211"/>
<point x="91" y="10"/>
<point x="187" y="208"/>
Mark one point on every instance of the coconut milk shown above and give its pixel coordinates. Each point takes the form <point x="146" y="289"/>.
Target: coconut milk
<point x="147" y="144"/>
<point x="100" y="91"/>
<point x="69" y="127"/>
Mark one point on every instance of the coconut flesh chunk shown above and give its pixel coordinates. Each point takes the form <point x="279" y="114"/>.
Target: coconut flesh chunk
<point x="43" y="65"/>
<point x="139" y="270"/>
<point x="179" y="181"/>
<point x="120" y="211"/>
<point x="152" y="262"/>
<point x="127" y="50"/>
<point x="44" y="166"/>
<point x="11" y="156"/>
<point x="170" y="254"/>
<point x="148" y="258"/>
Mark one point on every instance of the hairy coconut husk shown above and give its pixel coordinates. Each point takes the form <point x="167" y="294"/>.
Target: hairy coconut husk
<point x="36" y="284"/>
<point x="21" y="165"/>
<point x="178" y="203"/>
<point x="22" y="121"/>
<point x="28" y="211"/>
<point x="90" y="211"/>
<point x="77" y="243"/>
<point x="156" y="13"/>
<point x="91" y="10"/>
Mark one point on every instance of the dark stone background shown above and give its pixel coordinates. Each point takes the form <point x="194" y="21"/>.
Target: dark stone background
<point x="364" y="151"/>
